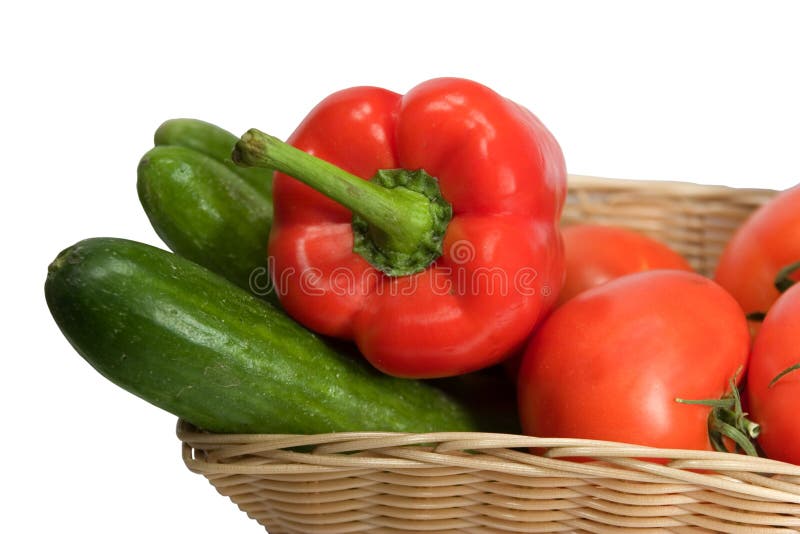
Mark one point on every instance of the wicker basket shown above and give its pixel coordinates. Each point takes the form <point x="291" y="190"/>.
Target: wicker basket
<point x="473" y="482"/>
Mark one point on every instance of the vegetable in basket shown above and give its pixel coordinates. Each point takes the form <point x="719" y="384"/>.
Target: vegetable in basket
<point x="595" y="254"/>
<point x="192" y="343"/>
<point x="205" y="212"/>
<point x="216" y="143"/>
<point x="610" y="363"/>
<point x="433" y="271"/>
<point x="773" y="383"/>
<point x="205" y="207"/>
<point x="766" y="242"/>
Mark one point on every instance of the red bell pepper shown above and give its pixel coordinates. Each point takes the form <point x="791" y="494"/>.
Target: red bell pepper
<point x="431" y="277"/>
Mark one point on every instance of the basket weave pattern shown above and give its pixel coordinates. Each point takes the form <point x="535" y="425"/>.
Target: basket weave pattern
<point x="477" y="482"/>
<point x="694" y="220"/>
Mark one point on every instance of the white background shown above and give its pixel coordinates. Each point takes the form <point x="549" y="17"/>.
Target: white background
<point x="699" y="91"/>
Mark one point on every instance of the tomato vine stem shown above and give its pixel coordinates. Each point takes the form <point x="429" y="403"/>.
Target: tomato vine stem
<point x="728" y="419"/>
<point x="783" y="280"/>
<point x="783" y="373"/>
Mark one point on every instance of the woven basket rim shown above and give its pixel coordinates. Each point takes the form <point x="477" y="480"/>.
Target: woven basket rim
<point x="561" y="449"/>
<point x="672" y="187"/>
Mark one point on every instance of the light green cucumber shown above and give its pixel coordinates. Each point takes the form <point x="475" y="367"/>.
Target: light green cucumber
<point x="208" y="214"/>
<point x="214" y="142"/>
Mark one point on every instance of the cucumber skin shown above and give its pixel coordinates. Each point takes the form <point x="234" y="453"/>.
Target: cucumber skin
<point x="215" y="142"/>
<point x="190" y="342"/>
<point x="206" y="213"/>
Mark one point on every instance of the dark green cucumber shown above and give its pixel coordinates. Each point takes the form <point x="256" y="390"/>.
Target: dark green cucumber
<point x="194" y="344"/>
<point x="216" y="143"/>
<point x="208" y="214"/>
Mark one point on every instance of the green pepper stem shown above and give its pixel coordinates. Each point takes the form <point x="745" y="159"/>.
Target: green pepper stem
<point x="399" y="218"/>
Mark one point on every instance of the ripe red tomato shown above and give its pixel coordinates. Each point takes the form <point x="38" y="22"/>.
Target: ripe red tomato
<point x="775" y="349"/>
<point x="595" y="254"/>
<point x="767" y="241"/>
<point x="609" y="363"/>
